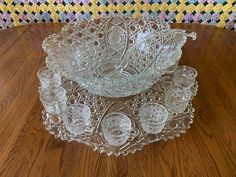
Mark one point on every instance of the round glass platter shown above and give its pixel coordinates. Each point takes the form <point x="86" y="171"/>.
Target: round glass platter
<point x="176" y="124"/>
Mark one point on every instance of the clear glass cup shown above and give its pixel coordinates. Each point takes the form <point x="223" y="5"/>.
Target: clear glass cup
<point x="48" y="78"/>
<point x="177" y="98"/>
<point x="117" y="128"/>
<point x="184" y="76"/>
<point x="77" y="118"/>
<point x="54" y="100"/>
<point x="172" y="68"/>
<point x="153" y="117"/>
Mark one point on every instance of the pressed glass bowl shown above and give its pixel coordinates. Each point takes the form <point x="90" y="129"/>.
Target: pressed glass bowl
<point x="115" y="56"/>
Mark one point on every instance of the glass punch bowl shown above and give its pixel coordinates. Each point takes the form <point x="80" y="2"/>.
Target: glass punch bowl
<point x="115" y="56"/>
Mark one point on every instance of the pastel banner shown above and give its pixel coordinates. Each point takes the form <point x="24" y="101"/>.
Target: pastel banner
<point x="221" y="13"/>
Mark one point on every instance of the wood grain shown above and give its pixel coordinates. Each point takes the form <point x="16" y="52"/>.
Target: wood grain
<point x="207" y="149"/>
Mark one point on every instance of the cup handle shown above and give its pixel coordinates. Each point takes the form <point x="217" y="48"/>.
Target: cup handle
<point x="134" y="132"/>
<point x="89" y="129"/>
